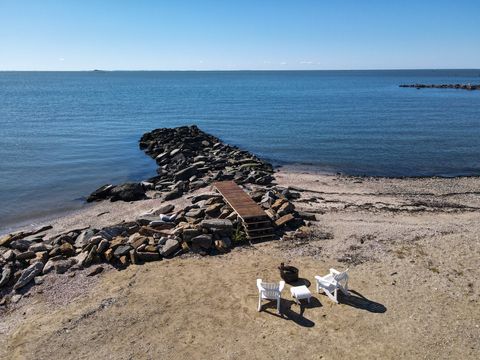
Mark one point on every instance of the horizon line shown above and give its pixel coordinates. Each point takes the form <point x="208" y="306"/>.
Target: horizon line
<point x="238" y="70"/>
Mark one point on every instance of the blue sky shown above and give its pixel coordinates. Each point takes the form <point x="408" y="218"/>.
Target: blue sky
<point x="238" y="34"/>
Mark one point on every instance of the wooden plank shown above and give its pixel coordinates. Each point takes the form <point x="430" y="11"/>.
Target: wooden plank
<point x="239" y="200"/>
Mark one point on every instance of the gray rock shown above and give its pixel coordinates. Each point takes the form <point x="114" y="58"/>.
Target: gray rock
<point x="49" y="266"/>
<point x="80" y="258"/>
<point x="39" y="247"/>
<point x="189" y="234"/>
<point x="122" y="250"/>
<point x="110" y="232"/>
<point x="38" y="280"/>
<point x="195" y="213"/>
<point x="206" y="196"/>
<point x="84" y="237"/>
<point x="16" y="298"/>
<point x="165" y="209"/>
<point x="218" y="225"/>
<point x="62" y="266"/>
<point x="171" y="195"/>
<point x="28" y="274"/>
<point x="20" y="244"/>
<point x="6" y="274"/>
<point x="171" y="245"/>
<point x="186" y="173"/>
<point x="203" y="241"/>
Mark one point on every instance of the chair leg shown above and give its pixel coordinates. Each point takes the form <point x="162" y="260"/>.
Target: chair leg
<point x="259" y="303"/>
<point x="330" y="295"/>
<point x="278" y="305"/>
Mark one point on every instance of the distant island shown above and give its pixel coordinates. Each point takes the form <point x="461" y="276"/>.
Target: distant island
<point x="442" y="86"/>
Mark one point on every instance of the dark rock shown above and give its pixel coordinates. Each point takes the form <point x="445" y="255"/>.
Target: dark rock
<point x="171" y="195"/>
<point x="25" y="255"/>
<point x="171" y="246"/>
<point x="203" y="241"/>
<point x="20" y="244"/>
<point x="128" y="192"/>
<point x="186" y="173"/>
<point x="28" y="274"/>
<point x="67" y="249"/>
<point x="195" y="213"/>
<point x="148" y="256"/>
<point x="95" y="271"/>
<point x="101" y="193"/>
<point x="62" y="266"/>
<point x="122" y="250"/>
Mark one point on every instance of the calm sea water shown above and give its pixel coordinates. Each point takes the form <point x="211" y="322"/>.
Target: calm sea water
<point x="62" y="134"/>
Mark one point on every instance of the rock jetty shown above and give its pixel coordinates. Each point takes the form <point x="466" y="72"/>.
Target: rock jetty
<point x="188" y="159"/>
<point x="441" y="86"/>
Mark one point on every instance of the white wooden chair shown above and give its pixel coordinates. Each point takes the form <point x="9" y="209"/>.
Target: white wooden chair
<point x="333" y="282"/>
<point x="269" y="291"/>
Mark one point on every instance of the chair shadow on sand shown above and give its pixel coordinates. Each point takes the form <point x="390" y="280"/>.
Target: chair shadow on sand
<point x="288" y="314"/>
<point x="359" y="301"/>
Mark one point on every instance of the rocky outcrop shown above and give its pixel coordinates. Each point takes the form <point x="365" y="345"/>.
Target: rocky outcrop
<point x="441" y="86"/>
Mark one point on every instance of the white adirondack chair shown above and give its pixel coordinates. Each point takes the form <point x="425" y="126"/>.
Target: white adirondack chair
<point x="333" y="282"/>
<point x="269" y="291"/>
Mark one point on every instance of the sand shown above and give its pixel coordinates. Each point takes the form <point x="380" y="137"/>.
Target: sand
<point x="411" y="245"/>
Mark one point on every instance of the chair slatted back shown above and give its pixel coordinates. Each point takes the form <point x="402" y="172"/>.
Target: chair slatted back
<point x="272" y="290"/>
<point x="342" y="276"/>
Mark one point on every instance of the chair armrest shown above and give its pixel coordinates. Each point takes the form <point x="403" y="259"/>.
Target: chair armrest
<point x="259" y="284"/>
<point x="281" y="286"/>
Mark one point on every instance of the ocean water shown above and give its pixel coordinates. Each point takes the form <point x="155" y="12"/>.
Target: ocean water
<point x="63" y="134"/>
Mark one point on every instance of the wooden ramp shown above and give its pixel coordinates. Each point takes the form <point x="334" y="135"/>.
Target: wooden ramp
<point x="256" y="222"/>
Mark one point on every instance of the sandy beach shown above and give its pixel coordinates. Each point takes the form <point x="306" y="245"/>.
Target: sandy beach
<point x="411" y="245"/>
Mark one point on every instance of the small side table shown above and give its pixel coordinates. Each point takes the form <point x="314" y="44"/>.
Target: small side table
<point x="299" y="293"/>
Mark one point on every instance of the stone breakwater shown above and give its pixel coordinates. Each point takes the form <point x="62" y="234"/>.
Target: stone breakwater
<point x="188" y="159"/>
<point x="441" y="86"/>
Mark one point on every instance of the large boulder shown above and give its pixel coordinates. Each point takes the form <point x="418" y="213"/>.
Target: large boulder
<point x="128" y="192"/>
<point x="103" y="192"/>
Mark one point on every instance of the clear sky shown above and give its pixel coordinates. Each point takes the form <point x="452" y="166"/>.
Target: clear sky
<point x="238" y="34"/>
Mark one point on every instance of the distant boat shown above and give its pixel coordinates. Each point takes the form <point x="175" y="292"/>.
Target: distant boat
<point x="96" y="70"/>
